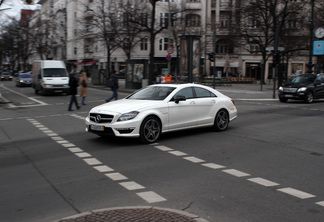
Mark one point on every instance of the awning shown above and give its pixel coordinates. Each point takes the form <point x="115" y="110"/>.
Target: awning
<point x="87" y="63"/>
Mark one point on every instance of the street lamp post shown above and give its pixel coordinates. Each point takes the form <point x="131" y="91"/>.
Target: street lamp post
<point x="311" y="30"/>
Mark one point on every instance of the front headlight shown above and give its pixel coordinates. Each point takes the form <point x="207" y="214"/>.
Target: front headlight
<point x="302" y="89"/>
<point x="281" y="88"/>
<point x="127" y="116"/>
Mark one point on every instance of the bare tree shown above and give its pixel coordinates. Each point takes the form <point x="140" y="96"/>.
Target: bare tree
<point x="259" y="22"/>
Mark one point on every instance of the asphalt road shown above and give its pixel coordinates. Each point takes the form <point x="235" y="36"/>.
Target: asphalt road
<point x="268" y="165"/>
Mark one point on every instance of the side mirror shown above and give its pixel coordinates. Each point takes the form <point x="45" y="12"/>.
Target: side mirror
<point x="179" y="98"/>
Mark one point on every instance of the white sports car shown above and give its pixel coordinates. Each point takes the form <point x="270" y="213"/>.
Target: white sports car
<point x="162" y="108"/>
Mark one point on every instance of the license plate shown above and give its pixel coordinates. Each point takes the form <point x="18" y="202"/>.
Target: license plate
<point x="97" y="128"/>
<point x="288" y="95"/>
<point x="58" y="91"/>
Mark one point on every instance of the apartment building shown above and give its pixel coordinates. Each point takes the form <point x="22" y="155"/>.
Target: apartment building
<point x="214" y="22"/>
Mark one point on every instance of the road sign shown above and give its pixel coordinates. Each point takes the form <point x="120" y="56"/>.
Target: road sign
<point x="168" y="57"/>
<point x="318" y="48"/>
<point x="170" y="49"/>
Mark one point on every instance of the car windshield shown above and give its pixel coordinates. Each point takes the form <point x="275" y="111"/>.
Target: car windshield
<point x="5" y="74"/>
<point x="304" y="79"/>
<point x="25" y="76"/>
<point x="152" y="93"/>
<point x="55" y="73"/>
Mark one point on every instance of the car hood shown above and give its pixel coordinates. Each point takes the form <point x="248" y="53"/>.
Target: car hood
<point x="295" y="85"/>
<point x="124" y="106"/>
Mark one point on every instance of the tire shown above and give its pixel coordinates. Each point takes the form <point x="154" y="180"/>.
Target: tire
<point x="150" y="130"/>
<point x="309" y="97"/>
<point x="221" y="120"/>
<point x="283" y="100"/>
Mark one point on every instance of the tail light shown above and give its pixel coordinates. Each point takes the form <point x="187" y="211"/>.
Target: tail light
<point x="233" y="102"/>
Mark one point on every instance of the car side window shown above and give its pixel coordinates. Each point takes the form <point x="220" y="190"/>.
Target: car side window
<point x="203" y="93"/>
<point x="186" y="92"/>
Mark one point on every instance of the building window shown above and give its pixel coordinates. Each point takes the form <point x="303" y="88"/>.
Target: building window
<point x="143" y="44"/>
<point x="164" y="43"/>
<point x="164" y="20"/>
<point x="193" y="0"/>
<point x="255" y="23"/>
<point x="224" y="46"/>
<point x="292" y="24"/>
<point x="225" y="18"/>
<point x="75" y="33"/>
<point x="144" y="18"/>
<point x="225" y="3"/>
<point x="193" y="20"/>
<point x="254" y="48"/>
<point x="168" y="0"/>
<point x="75" y="50"/>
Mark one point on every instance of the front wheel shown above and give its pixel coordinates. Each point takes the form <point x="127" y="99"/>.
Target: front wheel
<point x="221" y="120"/>
<point x="150" y="130"/>
<point x="309" y="97"/>
<point x="283" y="100"/>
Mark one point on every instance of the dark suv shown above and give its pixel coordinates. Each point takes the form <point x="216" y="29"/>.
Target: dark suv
<point x="305" y="87"/>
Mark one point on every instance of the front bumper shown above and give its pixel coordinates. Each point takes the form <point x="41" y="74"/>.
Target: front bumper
<point x="128" y="128"/>
<point x="297" y="95"/>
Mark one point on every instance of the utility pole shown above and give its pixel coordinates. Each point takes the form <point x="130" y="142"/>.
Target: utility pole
<point x="311" y="30"/>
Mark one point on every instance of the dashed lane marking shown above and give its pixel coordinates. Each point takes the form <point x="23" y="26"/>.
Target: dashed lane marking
<point x="263" y="182"/>
<point x="236" y="173"/>
<point x="296" y="193"/>
<point x="149" y="196"/>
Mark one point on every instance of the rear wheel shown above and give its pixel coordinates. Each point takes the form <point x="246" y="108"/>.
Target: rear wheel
<point x="150" y="130"/>
<point x="309" y="97"/>
<point x="221" y="120"/>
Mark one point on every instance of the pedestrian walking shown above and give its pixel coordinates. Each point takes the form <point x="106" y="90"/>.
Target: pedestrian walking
<point x="113" y="83"/>
<point x="73" y="83"/>
<point x="83" y="82"/>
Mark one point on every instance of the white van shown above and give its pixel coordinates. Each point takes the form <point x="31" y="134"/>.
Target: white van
<point x="50" y="76"/>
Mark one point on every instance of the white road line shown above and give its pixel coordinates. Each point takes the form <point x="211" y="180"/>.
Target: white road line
<point x="116" y="176"/>
<point x="103" y="169"/>
<point x="62" y="141"/>
<point x="131" y="185"/>
<point x="263" y="182"/>
<point x="151" y="197"/>
<point x="52" y="134"/>
<point x="57" y="138"/>
<point x="92" y="161"/>
<point x="213" y="166"/>
<point x="178" y="153"/>
<point x="75" y="150"/>
<point x="236" y="173"/>
<point x="296" y="193"/>
<point x="68" y="145"/>
<point x="194" y="159"/>
<point x="321" y="203"/>
<point x="163" y="148"/>
<point x="83" y="155"/>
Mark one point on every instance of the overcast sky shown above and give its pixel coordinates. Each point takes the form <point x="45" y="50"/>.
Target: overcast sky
<point x="13" y="9"/>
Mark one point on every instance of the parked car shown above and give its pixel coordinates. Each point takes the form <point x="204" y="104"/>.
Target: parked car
<point x="6" y="76"/>
<point x="24" y="79"/>
<point x="162" y="108"/>
<point x="305" y="87"/>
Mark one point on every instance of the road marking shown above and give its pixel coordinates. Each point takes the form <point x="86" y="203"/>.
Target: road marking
<point x="236" y="173"/>
<point x="321" y="203"/>
<point x="296" y="193"/>
<point x="213" y="165"/>
<point x="164" y="148"/>
<point x="116" y="176"/>
<point x="194" y="159"/>
<point x="131" y="185"/>
<point x="75" y="150"/>
<point x="263" y="182"/>
<point x="103" y="169"/>
<point x="178" y="153"/>
<point x="92" y="161"/>
<point x="83" y="155"/>
<point x="151" y="197"/>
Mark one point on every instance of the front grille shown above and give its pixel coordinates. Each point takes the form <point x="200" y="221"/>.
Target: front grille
<point x="101" y="118"/>
<point x="58" y="86"/>
<point x="290" y="90"/>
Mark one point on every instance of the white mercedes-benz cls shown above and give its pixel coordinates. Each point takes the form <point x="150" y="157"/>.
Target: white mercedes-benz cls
<point x="162" y="108"/>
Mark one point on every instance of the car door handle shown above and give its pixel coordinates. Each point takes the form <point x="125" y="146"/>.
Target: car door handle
<point x="192" y="103"/>
<point x="213" y="101"/>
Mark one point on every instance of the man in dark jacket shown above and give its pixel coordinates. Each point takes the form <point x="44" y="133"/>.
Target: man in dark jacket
<point x="113" y="83"/>
<point x="73" y="83"/>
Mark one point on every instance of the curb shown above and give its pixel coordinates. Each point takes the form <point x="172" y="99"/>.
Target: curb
<point x="134" y="214"/>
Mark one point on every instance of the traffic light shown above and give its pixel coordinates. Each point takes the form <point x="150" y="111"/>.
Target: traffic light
<point x="29" y="2"/>
<point x="211" y="56"/>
